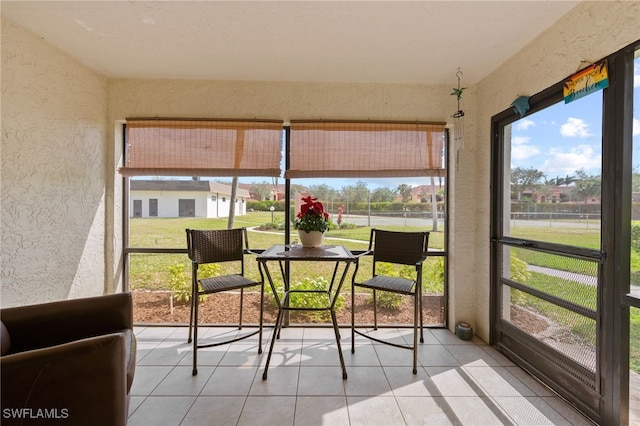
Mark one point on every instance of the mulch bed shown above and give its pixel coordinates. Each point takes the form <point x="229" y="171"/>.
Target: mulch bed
<point x="527" y="320"/>
<point x="223" y="308"/>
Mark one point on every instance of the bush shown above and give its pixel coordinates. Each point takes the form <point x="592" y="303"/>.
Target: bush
<point x="264" y="206"/>
<point x="273" y="226"/>
<point x="635" y="236"/>
<point x="386" y="299"/>
<point x="180" y="283"/>
<point x="347" y="225"/>
<point x="434" y="272"/>
<point x="309" y="300"/>
<point x="518" y="269"/>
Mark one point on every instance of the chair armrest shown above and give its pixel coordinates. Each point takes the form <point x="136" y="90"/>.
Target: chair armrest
<point x="359" y="253"/>
<point x="83" y="381"/>
<point x="422" y="260"/>
<point x="49" y="324"/>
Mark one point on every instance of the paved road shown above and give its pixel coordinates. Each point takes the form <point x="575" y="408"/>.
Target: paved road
<point x="385" y="220"/>
<point x="374" y="220"/>
<point x="586" y="223"/>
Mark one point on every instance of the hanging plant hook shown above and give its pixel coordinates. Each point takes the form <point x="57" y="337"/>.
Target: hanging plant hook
<point x="458" y="93"/>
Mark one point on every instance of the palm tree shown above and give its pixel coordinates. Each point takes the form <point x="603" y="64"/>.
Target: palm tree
<point x="405" y="191"/>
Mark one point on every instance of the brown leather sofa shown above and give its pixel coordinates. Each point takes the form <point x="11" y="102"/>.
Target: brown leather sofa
<point x="70" y="362"/>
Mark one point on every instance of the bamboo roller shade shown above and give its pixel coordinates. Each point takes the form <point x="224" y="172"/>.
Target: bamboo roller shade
<point x="165" y="147"/>
<point x="366" y="149"/>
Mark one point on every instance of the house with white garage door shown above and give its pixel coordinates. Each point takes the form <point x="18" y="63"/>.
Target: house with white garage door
<point x="184" y="198"/>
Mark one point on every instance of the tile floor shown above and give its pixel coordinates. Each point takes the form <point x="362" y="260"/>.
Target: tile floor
<point x="458" y="382"/>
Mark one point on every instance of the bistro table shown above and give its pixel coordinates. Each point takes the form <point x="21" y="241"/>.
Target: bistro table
<point x="283" y="255"/>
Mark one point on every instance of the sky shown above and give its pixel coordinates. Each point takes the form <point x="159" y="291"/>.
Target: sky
<point x="566" y="137"/>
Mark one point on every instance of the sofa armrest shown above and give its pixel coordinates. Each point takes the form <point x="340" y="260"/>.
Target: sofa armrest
<point x="49" y="324"/>
<point x="82" y="382"/>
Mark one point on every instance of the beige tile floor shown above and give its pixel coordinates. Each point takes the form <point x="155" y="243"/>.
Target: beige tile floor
<point x="458" y="382"/>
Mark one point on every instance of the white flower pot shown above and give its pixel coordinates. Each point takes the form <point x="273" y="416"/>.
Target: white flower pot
<point x="311" y="239"/>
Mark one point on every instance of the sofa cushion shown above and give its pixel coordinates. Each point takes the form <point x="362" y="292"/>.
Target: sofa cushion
<point x="130" y="355"/>
<point x="5" y="339"/>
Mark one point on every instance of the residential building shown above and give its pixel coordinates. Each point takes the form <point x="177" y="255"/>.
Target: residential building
<point x="184" y="198"/>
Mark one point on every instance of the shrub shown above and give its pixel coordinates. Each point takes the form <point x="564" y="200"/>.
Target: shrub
<point x="434" y="273"/>
<point x="387" y="299"/>
<point x="180" y="283"/>
<point x="635" y="236"/>
<point x="518" y="268"/>
<point x="309" y="300"/>
<point x="348" y="225"/>
<point x="279" y="226"/>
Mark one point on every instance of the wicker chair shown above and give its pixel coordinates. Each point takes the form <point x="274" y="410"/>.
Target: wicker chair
<point x="401" y="248"/>
<point x="217" y="246"/>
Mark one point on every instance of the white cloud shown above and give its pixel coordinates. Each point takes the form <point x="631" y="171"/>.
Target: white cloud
<point x="522" y="152"/>
<point x="575" y="127"/>
<point x="636" y="78"/>
<point x="519" y="140"/>
<point x="567" y="162"/>
<point x="636" y="127"/>
<point x="525" y="124"/>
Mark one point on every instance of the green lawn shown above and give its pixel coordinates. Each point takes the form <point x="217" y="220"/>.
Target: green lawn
<point x="570" y="290"/>
<point x="151" y="271"/>
<point x="169" y="233"/>
<point x="634" y="338"/>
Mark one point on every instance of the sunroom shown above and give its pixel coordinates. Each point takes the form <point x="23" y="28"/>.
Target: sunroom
<point x="558" y="245"/>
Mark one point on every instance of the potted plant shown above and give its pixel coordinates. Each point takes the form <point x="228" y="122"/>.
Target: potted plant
<point x="311" y="222"/>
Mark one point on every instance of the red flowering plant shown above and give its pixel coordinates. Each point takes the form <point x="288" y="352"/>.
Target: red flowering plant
<point x="312" y="216"/>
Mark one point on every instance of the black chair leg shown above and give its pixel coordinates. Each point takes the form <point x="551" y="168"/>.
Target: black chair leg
<point x="261" y="318"/>
<point x="421" y="317"/>
<point x="353" y="320"/>
<point x="375" y="311"/>
<point x="241" y="306"/>
<point x="195" y="337"/>
<point x="415" y="335"/>
<point x="193" y="298"/>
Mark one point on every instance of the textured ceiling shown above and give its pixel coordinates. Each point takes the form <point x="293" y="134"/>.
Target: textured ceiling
<point x="346" y="41"/>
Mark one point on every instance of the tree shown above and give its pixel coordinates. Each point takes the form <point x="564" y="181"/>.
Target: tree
<point x="568" y="180"/>
<point x="405" y="191"/>
<point x="434" y="205"/>
<point x="323" y="192"/>
<point x="381" y="195"/>
<point x="560" y="181"/>
<point x="522" y="179"/>
<point x="261" y="191"/>
<point x="232" y="204"/>
<point x="358" y="193"/>
<point x="587" y="186"/>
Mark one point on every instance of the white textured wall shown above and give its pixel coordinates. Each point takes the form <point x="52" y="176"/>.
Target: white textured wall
<point x="588" y="33"/>
<point x="53" y="168"/>
<point x="286" y="101"/>
<point x="237" y="99"/>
